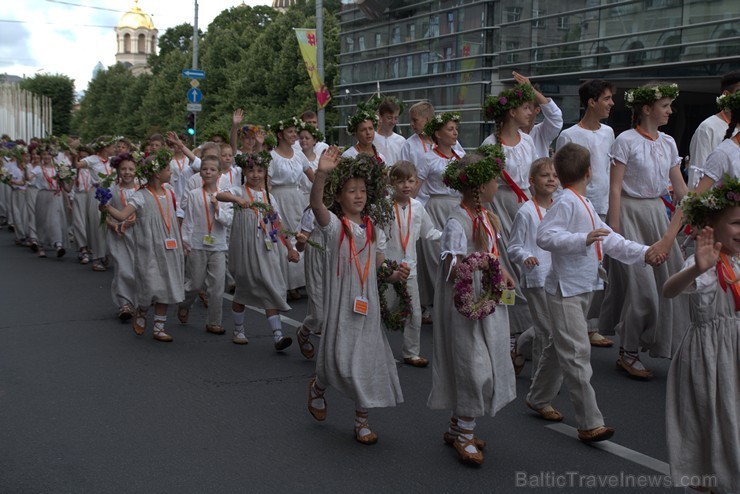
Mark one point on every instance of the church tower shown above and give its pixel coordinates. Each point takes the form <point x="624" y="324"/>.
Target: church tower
<point x="137" y="39"/>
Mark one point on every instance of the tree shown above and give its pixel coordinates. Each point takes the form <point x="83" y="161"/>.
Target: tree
<point x="61" y="90"/>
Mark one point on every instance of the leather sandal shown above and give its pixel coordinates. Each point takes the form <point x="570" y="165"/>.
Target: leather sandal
<point x="416" y="361"/>
<point x="547" y="412"/>
<point x="451" y="437"/>
<point x="599" y="340"/>
<point x="203" y="298"/>
<point x="360" y="424"/>
<point x="315" y="393"/>
<point x="160" y="335"/>
<point x="597" y="434"/>
<point x="517" y="361"/>
<point x="125" y="313"/>
<point x="139" y="329"/>
<point x="304" y="343"/>
<point x="215" y="329"/>
<point x="475" y="458"/>
<point x="626" y="362"/>
<point x="183" y="315"/>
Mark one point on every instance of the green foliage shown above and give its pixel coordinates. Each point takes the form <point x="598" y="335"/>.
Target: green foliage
<point x="61" y="90"/>
<point x="251" y="59"/>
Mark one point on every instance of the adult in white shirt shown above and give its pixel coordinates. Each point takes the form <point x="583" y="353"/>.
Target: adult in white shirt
<point x="725" y="159"/>
<point x="710" y="132"/>
<point x="389" y="143"/>
<point x="309" y="117"/>
<point x="362" y="125"/>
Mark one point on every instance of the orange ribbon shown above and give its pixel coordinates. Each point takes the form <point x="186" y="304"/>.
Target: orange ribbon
<point x="354" y="255"/>
<point x="520" y="195"/>
<point x="486" y="224"/>
<point x="599" y="256"/>
<point x="168" y="219"/>
<point x="404" y="241"/>
<point x="726" y="276"/>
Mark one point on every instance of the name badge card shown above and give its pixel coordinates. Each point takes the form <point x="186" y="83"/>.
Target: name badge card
<point x="268" y="243"/>
<point x="209" y="240"/>
<point x="361" y="305"/>
<point x="508" y="297"/>
<point x="170" y="243"/>
<point x="603" y="276"/>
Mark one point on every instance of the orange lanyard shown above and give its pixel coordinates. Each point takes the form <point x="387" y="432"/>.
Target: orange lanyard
<point x="423" y="144"/>
<point x="644" y="134"/>
<point x="123" y="198"/>
<point x="518" y="138"/>
<point x="454" y="154"/>
<point x="354" y="255"/>
<point x="487" y="226"/>
<point x="256" y="212"/>
<point x="231" y="178"/>
<point x="179" y="166"/>
<point x="537" y="208"/>
<point x="85" y="181"/>
<point x="599" y="256"/>
<point x="168" y="219"/>
<point x="208" y="214"/>
<point x="105" y="165"/>
<point x="404" y="241"/>
<point x="726" y="276"/>
<point x="375" y="151"/>
<point x="49" y="178"/>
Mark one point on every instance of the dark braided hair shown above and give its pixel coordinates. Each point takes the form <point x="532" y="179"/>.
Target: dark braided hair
<point x="734" y="122"/>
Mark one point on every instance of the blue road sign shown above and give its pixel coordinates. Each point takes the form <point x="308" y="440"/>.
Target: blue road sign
<point x="193" y="73"/>
<point x="194" y="95"/>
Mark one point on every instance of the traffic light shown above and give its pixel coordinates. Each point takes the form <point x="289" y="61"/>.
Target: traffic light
<point x="191" y="124"/>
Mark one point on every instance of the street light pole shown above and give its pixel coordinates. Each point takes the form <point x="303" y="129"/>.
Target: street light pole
<point x="195" y="65"/>
<point x="320" y="57"/>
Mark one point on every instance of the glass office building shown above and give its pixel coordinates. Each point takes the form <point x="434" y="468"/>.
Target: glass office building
<point x="456" y="52"/>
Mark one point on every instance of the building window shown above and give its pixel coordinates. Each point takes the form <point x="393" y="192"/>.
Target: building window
<point x="361" y="42"/>
<point x="396" y="35"/>
<point x="127" y="43"/>
<point x="410" y="32"/>
<point x="154" y="44"/>
<point x="538" y="23"/>
<point x="637" y="54"/>
<point x="395" y="68"/>
<point x="450" y="22"/>
<point x="434" y="26"/>
<point x="563" y="22"/>
<point x="141" y="44"/>
<point x="349" y="43"/>
<point x="513" y="14"/>
<point x="378" y="40"/>
<point x="424" y="69"/>
<point x="512" y="57"/>
<point x="448" y="57"/>
<point x="409" y="66"/>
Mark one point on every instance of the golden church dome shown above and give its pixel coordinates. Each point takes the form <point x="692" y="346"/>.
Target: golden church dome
<point x="136" y="18"/>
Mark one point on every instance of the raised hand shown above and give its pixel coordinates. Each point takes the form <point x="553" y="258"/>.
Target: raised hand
<point x="520" y="79"/>
<point x="238" y="117"/>
<point x="329" y="159"/>
<point x="707" y="250"/>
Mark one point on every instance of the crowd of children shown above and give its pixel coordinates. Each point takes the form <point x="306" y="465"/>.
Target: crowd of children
<point x="393" y="232"/>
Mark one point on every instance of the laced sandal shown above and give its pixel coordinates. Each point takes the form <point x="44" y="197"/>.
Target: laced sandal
<point x="215" y="329"/>
<point x="361" y="424"/>
<point x="60" y="251"/>
<point x="41" y="253"/>
<point x="98" y="266"/>
<point x="517" y="360"/>
<point x="599" y="340"/>
<point x="450" y="436"/>
<point x="239" y="338"/>
<point x="316" y="393"/>
<point x="160" y="335"/>
<point x="183" y="315"/>
<point x="630" y="363"/>
<point x="282" y="343"/>
<point x="139" y="323"/>
<point x="547" y="412"/>
<point x="462" y="444"/>
<point x="125" y="313"/>
<point x="304" y="343"/>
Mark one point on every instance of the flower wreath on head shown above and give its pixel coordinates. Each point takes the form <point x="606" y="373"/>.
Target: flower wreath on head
<point x="496" y="106"/>
<point x="316" y="133"/>
<point x="103" y="142"/>
<point x="244" y="129"/>
<point x="729" y="102"/>
<point x="281" y="125"/>
<point x="394" y="321"/>
<point x="375" y="101"/>
<point x="379" y="207"/>
<point x="153" y="164"/>
<point x="261" y="159"/>
<point x="697" y="208"/>
<point x="491" y="285"/>
<point x="647" y="95"/>
<point x="359" y="117"/>
<point x="439" y="121"/>
<point x="459" y="176"/>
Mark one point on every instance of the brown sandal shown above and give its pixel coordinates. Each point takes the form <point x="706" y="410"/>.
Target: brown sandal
<point x="304" y="344"/>
<point x="475" y="458"/>
<point x="314" y="392"/>
<point x="360" y="424"/>
<point x="626" y="362"/>
<point x="451" y="437"/>
<point x="547" y="412"/>
<point x="139" y="329"/>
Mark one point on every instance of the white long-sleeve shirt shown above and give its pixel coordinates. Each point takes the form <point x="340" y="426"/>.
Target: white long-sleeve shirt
<point x="575" y="265"/>
<point x="707" y="136"/>
<point x="546" y="131"/>
<point x="523" y="245"/>
<point x="195" y="224"/>
<point x="421" y="227"/>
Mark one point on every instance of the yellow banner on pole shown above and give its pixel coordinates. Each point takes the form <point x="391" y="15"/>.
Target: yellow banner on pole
<point x="307" y="43"/>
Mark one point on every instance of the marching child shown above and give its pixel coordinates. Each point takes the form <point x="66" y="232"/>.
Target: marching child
<point x="354" y="355"/>
<point x="159" y="256"/>
<point x="255" y="251"/>
<point x="204" y="237"/>
<point x="534" y="262"/>
<point x="702" y="407"/>
<point x="577" y="240"/>
<point x="16" y="170"/>
<point x="315" y="267"/>
<point x="472" y="374"/>
<point x="412" y="223"/>
<point x="389" y="143"/>
<point x="121" y="244"/>
<point x="51" y="220"/>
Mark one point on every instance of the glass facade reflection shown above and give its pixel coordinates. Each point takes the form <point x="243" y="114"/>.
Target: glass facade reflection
<point x="455" y="53"/>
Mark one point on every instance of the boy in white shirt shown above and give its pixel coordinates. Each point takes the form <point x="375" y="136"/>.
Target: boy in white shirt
<point x="412" y="222"/>
<point x="545" y="132"/>
<point x="205" y="225"/>
<point x="389" y="143"/>
<point x="575" y="236"/>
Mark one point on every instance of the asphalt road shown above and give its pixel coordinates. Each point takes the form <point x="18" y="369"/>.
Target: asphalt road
<point x="88" y="407"/>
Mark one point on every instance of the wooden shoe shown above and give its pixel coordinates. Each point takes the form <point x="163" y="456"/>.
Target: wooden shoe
<point x="362" y="424"/>
<point x="315" y="393"/>
<point x="215" y="329"/>
<point x="547" y="412"/>
<point x="627" y="362"/>
<point x="304" y="343"/>
<point x="416" y="361"/>
<point x="139" y="329"/>
<point x="475" y="458"/>
<point x="599" y="340"/>
<point x="597" y="434"/>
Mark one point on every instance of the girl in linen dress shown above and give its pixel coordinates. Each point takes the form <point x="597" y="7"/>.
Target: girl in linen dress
<point x="703" y="391"/>
<point x="286" y="172"/>
<point x="308" y="136"/>
<point x="362" y="125"/>
<point x="51" y="219"/>
<point x="354" y="355"/>
<point x="472" y="372"/>
<point x="725" y="159"/>
<point x="160" y="266"/>
<point x="32" y="170"/>
<point x="99" y="168"/>
<point x="121" y="244"/>
<point x="314" y="260"/>
<point x="255" y="250"/>
<point x="645" y="160"/>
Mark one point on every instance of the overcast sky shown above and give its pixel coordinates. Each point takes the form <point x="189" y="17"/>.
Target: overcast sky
<point x="71" y="36"/>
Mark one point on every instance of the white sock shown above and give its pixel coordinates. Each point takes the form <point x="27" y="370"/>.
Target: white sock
<point x="277" y="327"/>
<point x="238" y="321"/>
<point x="159" y="323"/>
<point x="465" y="437"/>
<point x="141" y="318"/>
<point x="318" y="403"/>
<point x="361" y="423"/>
